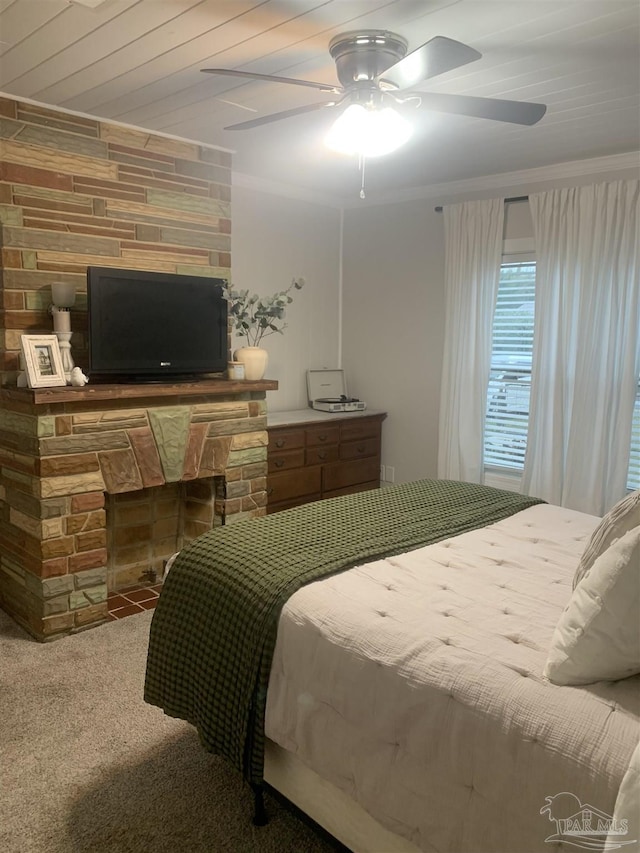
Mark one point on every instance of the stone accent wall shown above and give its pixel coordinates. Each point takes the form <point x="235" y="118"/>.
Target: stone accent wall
<point x="62" y="544"/>
<point x="76" y="192"/>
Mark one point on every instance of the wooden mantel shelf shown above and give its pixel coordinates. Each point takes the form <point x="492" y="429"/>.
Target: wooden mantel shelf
<point x="126" y="391"/>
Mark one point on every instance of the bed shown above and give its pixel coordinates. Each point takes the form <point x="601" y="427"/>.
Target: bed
<point x="398" y="695"/>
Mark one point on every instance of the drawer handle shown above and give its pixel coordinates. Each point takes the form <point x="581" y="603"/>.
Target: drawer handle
<point x="322" y="438"/>
<point x="322" y="454"/>
<point x="280" y="442"/>
<point x="270" y="490"/>
<point x="361" y="449"/>
<point x="279" y="463"/>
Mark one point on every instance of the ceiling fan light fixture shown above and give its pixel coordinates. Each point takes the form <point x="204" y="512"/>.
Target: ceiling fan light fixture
<point x="368" y="132"/>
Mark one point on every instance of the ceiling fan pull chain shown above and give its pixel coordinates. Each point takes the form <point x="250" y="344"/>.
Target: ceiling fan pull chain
<point x="361" y="160"/>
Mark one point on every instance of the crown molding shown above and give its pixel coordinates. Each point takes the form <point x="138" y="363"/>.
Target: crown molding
<point x="104" y="120"/>
<point x="558" y="171"/>
<point x="452" y="189"/>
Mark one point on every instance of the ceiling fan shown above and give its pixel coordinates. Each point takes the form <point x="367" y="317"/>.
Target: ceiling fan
<point x="375" y="72"/>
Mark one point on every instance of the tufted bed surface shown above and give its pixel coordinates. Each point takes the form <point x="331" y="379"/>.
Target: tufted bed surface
<point x="414" y="684"/>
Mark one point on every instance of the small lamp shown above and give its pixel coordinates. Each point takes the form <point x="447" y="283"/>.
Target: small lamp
<point x="63" y="296"/>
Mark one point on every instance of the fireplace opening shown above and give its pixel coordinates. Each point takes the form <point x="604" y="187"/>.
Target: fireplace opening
<point x="146" y="527"/>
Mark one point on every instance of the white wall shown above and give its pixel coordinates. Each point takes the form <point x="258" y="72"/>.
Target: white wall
<point x="393" y="305"/>
<point x="392" y="300"/>
<point x="393" y="269"/>
<point x="274" y="239"/>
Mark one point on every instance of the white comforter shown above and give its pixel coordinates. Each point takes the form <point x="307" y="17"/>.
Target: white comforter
<point x="414" y="684"/>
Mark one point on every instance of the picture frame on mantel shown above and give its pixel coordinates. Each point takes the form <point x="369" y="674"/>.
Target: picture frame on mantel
<point x="42" y="361"/>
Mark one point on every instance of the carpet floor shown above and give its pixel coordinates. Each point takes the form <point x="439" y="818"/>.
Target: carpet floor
<point x="86" y="765"/>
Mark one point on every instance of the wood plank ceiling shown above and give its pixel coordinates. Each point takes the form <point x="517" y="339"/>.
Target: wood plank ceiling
<point x="139" y="61"/>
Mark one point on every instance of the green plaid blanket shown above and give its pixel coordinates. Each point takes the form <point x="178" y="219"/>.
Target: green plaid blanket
<point x="214" y="628"/>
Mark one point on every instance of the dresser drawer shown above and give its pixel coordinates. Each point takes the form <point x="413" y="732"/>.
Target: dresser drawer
<point x="282" y="460"/>
<point x="338" y="475"/>
<point x="320" y="436"/>
<point x="291" y="502"/>
<point x="320" y="455"/>
<point x="359" y="449"/>
<point x="293" y="484"/>
<point x="286" y="439"/>
<point x="355" y="430"/>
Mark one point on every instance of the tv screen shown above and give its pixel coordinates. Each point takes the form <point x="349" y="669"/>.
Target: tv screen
<point x="150" y="325"/>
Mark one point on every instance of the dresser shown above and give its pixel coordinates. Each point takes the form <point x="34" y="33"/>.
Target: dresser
<point x="315" y="455"/>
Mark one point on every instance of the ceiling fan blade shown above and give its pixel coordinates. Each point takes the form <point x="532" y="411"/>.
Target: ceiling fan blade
<point x="296" y="111"/>
<point x="516" y="112"/>
<point x="250" y="75"/>
<point x="438" y="55"/>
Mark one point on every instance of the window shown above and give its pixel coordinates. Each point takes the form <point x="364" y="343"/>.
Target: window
<point x="507" y="419"/>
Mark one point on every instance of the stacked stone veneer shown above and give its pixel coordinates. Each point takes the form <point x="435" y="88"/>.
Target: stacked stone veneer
<point x="76" y="192"/>
<point x="59" y="461"/>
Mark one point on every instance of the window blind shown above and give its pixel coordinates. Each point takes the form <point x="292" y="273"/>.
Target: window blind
<point x="507" y="418"/>
<point x="633" y="479"/>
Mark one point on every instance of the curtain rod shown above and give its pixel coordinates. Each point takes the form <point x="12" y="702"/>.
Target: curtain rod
<point x="512" y="200"/>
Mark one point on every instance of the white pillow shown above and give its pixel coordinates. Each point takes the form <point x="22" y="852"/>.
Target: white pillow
<point x="622" y="517"/>
<point x="598" y="635"/>
<point x="628" y="808"/>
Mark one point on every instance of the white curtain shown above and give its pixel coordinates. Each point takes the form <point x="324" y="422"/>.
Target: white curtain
<point x="586" y="350"/>
<point x="473" y="250"/>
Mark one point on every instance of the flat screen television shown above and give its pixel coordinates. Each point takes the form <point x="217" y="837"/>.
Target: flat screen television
<point x="149" y="326"/>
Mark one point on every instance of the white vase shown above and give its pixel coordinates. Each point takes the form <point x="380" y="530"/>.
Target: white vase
<point x="254" y="360"/>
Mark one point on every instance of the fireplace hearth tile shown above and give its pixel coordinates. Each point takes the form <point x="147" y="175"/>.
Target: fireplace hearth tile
<point x="139" y="596"/>
<point x="129" y="610"/>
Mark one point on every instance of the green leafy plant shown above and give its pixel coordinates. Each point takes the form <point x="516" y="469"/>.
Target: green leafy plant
<point x="254" y="317"/>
